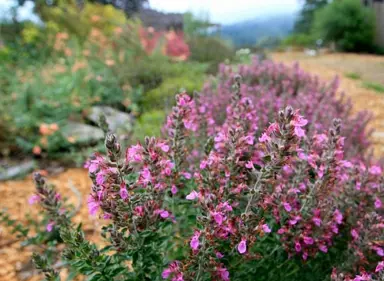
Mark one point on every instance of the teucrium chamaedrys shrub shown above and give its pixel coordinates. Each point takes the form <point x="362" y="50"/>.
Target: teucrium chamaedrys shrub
<point x="227" y="195"/>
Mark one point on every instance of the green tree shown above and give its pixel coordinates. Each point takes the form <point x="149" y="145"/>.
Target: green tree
<point x="305" y="20"/>
<point x="347" y="23"/>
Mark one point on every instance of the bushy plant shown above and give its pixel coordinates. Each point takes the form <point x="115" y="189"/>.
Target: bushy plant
<point x="348" y="23"/>
<point x="235" y="189"/>
<point x="210" y="50"/>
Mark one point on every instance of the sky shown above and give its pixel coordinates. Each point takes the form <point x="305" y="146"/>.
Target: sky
<point x="228" y="11"/>
<point x="219" y="11"/>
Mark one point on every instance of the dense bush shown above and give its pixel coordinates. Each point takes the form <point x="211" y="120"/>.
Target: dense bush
<point x="236" y="189"/>
<point x="300" y="40"/>
<point x="348" y="23"/>
<point x="210" y="50"/>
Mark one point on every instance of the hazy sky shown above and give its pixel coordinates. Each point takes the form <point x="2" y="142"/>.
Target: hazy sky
<point x="219" y="11"/>
<point x="228" y="11"/>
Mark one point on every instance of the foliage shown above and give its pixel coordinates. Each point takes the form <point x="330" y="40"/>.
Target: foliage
<point x="212" y="50"/>
<point x="196" y="25"/>
<point x="234" y="189"/>
<point x="304" y="23"/>
<point x="149" y="124"/>
<point x="348" y="23"/>
<point x="378" y="87"/>
<point x="353" y="75"/>
<point x="299" y="40"/>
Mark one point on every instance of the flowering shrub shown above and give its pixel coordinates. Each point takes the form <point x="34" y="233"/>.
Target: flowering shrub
<point x="235" y="188"/>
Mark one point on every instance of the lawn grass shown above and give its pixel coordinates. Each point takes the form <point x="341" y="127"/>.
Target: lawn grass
<point x="377" y="87"/>
<point x="353" y="75"/>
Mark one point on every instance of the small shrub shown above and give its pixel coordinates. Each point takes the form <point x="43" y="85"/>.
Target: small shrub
<point x="233" y="190"/>
<point x="210" y="50"/>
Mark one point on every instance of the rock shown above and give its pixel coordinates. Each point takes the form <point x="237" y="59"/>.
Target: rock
<point x="79" y="133"/>
<point x="17" y="170"/>
<point x="119" y="122"/>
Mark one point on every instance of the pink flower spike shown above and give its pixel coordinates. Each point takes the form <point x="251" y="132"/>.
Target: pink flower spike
<point x="297" y="247"/>
<point x="33" y="199"/>
<point x="379" y="267"/>
<point x="266" y="228"/>
<point x="195" y="241"/>
<point x="192" y="196"/>
<point x="49" y="226"/>
<point x="338" y="216"/>
<point x="242" y="247"/>
<point x="378" y="203"/>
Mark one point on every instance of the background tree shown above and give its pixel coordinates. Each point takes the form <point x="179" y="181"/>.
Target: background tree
<point x="305" y="20"/>
<point x="347" y="23"/>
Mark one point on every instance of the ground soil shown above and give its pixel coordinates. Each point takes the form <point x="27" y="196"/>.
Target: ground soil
<point x="14" y="260"/>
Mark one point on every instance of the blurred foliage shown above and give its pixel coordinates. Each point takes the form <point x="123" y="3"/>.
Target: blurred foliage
<point x="80" y="57"/>
<point x="196" y="25"/>
<point x="301" y="40"/>
<point x="304" y="23"/>
<point x="349" y="24"/>
<point x="211" y="50"/>
<point x="149" y="124"/>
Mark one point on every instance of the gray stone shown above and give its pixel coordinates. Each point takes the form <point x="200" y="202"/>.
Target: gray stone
<point x="17" y="170"/>
<point x="79" y="133"/>
<point x="118" y="122"/>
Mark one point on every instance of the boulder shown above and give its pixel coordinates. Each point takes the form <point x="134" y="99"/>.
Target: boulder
<point x="82" y="134"/>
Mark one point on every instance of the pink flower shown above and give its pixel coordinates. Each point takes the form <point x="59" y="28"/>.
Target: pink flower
<point x="266" y="228"/>
<point x="287" y="206"/>
<point x="375" y="170"/>
<point x="323" y="248"/>
<point x="338" y="216"/>
<point x="33" y="199"/>
<point x="146" y="176"/>
<point x="134" y="153"/>
<point x="223" y="273"/>
<point x="308" y="240"/>
<point x="107" y="216"/>
<point x="93" y="205"/>
<point x="163" y="146"/>
<point x="123" y="191"/>
<point x="299" y="132"/>
<point x="264" y="138"/>
<point x="354" y="234"/>
<point x="249" y="140"/>
<point x="218" y="217"/>
<point x="166" y="273"/>
<point x="379" y="251"/>
<point x="163" y="213"/>
<point x="195" y="241"/>
<point x="242" y="247"/>
<point x="249" y="165"/>
<point x="298" y="247"/>
<point x="174" y="189"/>
<point x="379" y="267"/>
<point x="317" y="221"/>
<point x="139" y="211"/>
<point x="49" y="226"/>
<point x="219" y="255"/>
<point x="187" y="175"/>
<point x="192" y="196"/>
<point x="378" y="203"/>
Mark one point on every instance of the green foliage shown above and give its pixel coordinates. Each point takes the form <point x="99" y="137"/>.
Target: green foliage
<point x="212" y="50"/>
<point x="195" y="25"/>
<point x="374" y="86"/>
<point x="353" y="75"/>
<point x="163" y="96"/>
<point x="348" y="23"/>
<point x="149" y="124"/>
<point x="305" y="21"/>
<point x="299" y="40"/>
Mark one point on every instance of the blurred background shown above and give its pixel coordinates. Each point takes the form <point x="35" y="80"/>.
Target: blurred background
<point x="64" y="62"/>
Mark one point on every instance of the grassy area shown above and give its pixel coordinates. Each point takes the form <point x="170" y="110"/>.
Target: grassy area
<point x="377" y="87"/>
<point x="353" y="75"/>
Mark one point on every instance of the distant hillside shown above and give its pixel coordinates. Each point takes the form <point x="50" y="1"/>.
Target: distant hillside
<point x="247" y="33"/>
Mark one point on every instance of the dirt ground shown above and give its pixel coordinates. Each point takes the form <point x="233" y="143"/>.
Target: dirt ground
<point x="15" y="194"/>
<point x="370" y="68"/>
